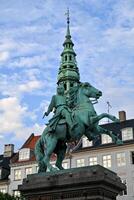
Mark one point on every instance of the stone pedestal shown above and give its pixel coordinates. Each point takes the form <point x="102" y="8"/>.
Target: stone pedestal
<point x="90" y="183"/>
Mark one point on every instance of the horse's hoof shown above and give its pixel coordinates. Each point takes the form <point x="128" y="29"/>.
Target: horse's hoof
<point x="116" y="119"/>
<point x="53" y="169"/>
<point x="60" y="167"/>
<point x="119" y="142"/>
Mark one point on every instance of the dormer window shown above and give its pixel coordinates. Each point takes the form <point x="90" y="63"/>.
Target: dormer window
<point x="24" y="154"/>
<point x="127" y="133"/>
<point x="106" y="139"/>
<point x="86" y="142"/>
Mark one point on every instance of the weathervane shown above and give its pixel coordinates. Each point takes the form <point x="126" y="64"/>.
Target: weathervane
<point x="108" y="108"/>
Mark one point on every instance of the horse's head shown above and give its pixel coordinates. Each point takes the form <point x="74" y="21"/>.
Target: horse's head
<point x="90" y="91"/>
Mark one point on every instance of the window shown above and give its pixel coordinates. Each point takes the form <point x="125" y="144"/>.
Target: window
<point x="17" y="174"/>
<point x="132" y="157"/>
<point x="70" y="57"/>
<point x="37" y="168"/>
<point x="93" y="161"/>
<point x="24" y="154"/>
<point x="65" y="58"/>
<point x="0" y="173"/>
<point x="65" y="165"/>
<point x="127" y="133"/>
<point x="80" y="162"/>
<point x="28" y="170"/>
<point x="71" y="84"/>
<point x="3" y="190"/>
<point x="65" y="86"/>
<point x="107" y="161"/>
<point x="124" y="192"/>
<point x="86" y="142"/>
<point x="121" y="159"/>
<point x="71" y="66"/>
<point x="16" y="193"/>
<point x="106" y="139"/>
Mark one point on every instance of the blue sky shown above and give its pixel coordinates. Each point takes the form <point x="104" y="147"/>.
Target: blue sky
<point x="31" y="37"/>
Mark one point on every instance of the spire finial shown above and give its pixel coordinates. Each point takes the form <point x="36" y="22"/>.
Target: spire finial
<point x="68" y="18"/>
<point x="68" y="22"/>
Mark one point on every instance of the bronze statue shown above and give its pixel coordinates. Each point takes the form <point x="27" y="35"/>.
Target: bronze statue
<point x="61" y="110"/>
<point x="87" y="120"/>
<point x="74" y="116"/>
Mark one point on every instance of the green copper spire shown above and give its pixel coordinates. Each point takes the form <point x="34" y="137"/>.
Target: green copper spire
<point x="68" y="72"/>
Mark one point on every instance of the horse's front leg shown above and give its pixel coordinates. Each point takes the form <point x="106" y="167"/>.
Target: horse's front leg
<point x="95" y="119"/>
<point x="115" y="139"/>
<point x="51" y="144"/>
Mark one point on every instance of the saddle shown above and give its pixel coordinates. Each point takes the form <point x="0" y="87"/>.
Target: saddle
<point x="62" y="121"/>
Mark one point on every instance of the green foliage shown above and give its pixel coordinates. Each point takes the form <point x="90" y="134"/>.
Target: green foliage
<point x="9" y="197"/>
<point x="6" y="197"/>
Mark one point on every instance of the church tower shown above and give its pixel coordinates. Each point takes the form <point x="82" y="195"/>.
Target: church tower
<point x="68" y="74"/>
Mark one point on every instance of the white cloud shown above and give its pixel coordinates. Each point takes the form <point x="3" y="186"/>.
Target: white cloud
<point x="30" y="86"/>
<point x="11" y="114"/>
<point x="1" y="136"/>
<point x="30" y="61"/>
<point x="4" y="56"/>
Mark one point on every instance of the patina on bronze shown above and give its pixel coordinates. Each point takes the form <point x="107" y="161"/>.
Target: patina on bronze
<point x="74" y="113"/>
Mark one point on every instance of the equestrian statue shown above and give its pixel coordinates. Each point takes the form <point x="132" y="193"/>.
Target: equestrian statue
<point x="74" y="116"/>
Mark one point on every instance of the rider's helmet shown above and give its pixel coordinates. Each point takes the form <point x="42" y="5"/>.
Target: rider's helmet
<point x="60" y="89"/>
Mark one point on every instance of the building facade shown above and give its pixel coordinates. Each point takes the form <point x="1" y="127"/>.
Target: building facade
<point x="118" y="158"/>
<point x="5" y="167"/>
<point x="22" y="164"/>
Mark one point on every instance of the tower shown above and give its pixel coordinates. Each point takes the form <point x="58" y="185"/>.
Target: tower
<point x="68" y="74"/>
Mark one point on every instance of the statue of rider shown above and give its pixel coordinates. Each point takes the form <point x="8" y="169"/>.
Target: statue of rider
<point x="61" y="110"/>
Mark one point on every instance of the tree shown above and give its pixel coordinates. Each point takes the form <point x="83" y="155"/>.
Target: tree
<point x="6" y="197"/>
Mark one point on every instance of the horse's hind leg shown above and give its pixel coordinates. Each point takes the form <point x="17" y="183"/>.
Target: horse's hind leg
<point x="42" y="166"/>
<point x="61" y="155"/>
<point x="51" y="144"/>
<point x="39" y="153"/>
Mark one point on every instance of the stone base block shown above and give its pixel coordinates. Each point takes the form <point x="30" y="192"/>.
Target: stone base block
<point x="85" y="183"/>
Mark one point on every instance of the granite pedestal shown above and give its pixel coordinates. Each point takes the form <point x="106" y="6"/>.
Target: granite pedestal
<point x="90" y="183"/>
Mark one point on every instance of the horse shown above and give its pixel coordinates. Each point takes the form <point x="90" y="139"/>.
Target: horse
<point x="84" y="114"/>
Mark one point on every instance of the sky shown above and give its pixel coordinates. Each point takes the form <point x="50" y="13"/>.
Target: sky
<point x="31" y="36"/>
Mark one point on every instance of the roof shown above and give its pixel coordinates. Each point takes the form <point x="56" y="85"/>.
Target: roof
<point x="116" y="128"/>
<point x="30" y="143"/>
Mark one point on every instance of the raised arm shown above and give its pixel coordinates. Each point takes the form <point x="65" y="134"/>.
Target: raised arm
<point x="50" y="107"/>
